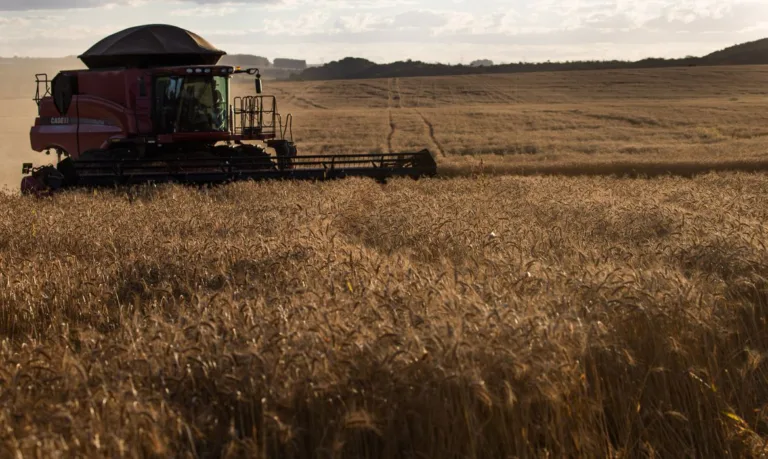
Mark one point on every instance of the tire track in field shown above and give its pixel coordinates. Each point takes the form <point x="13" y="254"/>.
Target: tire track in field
<point x="308" y="103"/>
<point x="417" y="97"/>
<point x="392" y="127"/>
<point x="485" y="90"/>
<point x="453" y="94"/>
<point x="399" y="93"/>
<point x="431" y="129"/>
<point x="288" y="96"/>
<point x="496" y="94"/>
<point x="372" y="89"/>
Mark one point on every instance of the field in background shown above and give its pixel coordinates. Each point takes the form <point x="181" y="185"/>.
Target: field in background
<point x="566" y="122"/>
<point x="550" y="121"/>
<point x="468" y="317"/>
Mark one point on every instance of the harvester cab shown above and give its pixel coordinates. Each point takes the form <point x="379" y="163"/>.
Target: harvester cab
<point x="134" y="117"/>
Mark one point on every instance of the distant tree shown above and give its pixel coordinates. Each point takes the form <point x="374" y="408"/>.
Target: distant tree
<point x="481" y="63"/>
<point x="245" y="60"/>
<point x="755" y="53"/>
<point x="294" y="64"/>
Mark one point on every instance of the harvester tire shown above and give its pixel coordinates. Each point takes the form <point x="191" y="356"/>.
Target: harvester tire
<point x="251" y="152"/>
<point x="43" y="181"/>
<point x="67" y="168"/>
<point x="31" y="186"/>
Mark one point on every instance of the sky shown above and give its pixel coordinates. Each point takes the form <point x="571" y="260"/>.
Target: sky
<point x="448" y="31"/>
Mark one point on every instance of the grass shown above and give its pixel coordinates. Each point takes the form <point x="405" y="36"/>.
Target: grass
<point x="535" y="301"/>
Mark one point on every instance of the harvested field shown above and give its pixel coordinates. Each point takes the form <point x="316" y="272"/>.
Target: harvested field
<point x="580" y="314"/>
<point x="527" y="123"/>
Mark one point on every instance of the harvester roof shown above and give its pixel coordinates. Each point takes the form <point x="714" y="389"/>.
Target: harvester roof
<point x="150" y="46"/>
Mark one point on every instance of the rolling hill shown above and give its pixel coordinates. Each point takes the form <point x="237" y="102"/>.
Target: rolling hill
<point x="751" y="53"/>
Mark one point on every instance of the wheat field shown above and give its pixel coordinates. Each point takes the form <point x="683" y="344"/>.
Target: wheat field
<point x="487" y="313"/>
<point x="600" y="122"/>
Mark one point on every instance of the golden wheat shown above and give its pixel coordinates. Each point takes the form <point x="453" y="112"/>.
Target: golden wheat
<point x="478" y="316"/>
<point x="487" y="317"/>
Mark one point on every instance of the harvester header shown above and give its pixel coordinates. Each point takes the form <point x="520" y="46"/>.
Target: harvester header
<point x="155" y="105"/>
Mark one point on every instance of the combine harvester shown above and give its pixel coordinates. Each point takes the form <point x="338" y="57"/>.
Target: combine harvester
<point x="154" y="106"/>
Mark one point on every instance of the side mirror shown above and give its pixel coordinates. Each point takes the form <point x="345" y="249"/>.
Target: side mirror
<point x="259" y="86"/>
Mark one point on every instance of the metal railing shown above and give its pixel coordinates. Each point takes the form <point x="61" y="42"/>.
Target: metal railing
<point x="286" y="129"/>
<point x="256" y="117"/>
<point x="41" y="79"/>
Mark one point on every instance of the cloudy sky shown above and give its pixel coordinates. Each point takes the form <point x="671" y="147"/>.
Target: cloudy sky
<point x="386" y="30"/>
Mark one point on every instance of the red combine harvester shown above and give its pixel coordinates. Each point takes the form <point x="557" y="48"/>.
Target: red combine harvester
<point x="154" y="106"/>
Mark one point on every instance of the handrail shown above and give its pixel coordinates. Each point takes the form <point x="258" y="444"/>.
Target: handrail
<point x="288" y="126"/>
<point x="41" y="78"/>
<point x="254" y="115"/>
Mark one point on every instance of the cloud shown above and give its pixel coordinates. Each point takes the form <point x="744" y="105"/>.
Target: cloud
<point x="401" y="29"/>
<point x="29" y="5"/>
<point x="715" y="18"/>
<point x="344" y="4"/>
<point x="32" y="5"/>
<point x="206" y="11"/>
<point x="419" y="19"/>
<point x="361" y="22"/>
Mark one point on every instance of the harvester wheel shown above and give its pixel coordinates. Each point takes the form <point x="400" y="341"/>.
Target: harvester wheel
<point x="67" y="168"/>
<point x="43" y="181"/>
<point x="251" y="152"/>
<point x="30" y="185"/>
